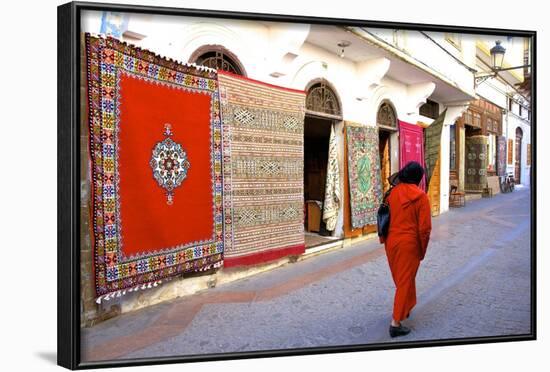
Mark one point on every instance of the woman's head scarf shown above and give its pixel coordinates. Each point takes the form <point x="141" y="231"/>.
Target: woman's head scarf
<point x="412" y="172"/>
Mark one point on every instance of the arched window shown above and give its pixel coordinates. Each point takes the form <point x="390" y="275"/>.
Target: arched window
<point x="218" y="58"/>
<point x="519" y="132"/>
<point x="322" y="99"/>
<point x="386" y="116"/>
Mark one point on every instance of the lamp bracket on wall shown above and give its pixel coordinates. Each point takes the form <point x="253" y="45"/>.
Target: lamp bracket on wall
<point x="343" y="45"/>
<point x="481" y="77"/>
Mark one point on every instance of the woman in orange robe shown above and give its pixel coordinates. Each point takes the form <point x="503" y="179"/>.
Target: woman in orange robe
<point x="407" y="240"/>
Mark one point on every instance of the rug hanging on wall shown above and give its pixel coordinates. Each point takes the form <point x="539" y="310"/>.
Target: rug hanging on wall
<point x="155" y="157"/>
<point x="365" y="186"/>
<point x="411" y="146"/>
<point x="432" y="144"/>
<point x="331" y="204"/>
<point x="501" y="156"/>
<point x="476" y="163"/>
<point x="434" y="187"/>
<point x="263" y="163"/>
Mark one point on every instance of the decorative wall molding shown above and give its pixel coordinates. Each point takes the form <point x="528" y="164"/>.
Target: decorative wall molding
<point x="369" y="76"/>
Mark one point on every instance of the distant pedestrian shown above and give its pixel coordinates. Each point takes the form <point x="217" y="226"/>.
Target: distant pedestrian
<point x="407" y="240"/>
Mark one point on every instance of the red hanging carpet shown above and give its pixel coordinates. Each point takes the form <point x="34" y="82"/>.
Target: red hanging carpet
<point x="155" y="151"/>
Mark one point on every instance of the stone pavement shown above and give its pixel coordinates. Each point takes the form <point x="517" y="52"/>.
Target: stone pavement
<point x="474" y="282"/>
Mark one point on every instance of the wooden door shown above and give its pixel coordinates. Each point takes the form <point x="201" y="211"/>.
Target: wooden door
<point x="384" y="150"/>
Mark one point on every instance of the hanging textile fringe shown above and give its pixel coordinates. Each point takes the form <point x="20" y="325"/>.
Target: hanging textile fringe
<point x="144" y="286"/>
<point x="112" y="295"/>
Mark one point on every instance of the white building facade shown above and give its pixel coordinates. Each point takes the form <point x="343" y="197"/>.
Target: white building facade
<point x="409" y="76"/>
<point x="401" y="68"/>
<point x="503" y="91"/>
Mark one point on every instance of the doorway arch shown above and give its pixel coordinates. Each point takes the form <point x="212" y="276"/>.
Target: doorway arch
<point x="386" y="116"/>
<point x="386" y="121"/>
<point x="323" y="112"/>
<point x="323" y="100"/>
<point x="219" y="58"/>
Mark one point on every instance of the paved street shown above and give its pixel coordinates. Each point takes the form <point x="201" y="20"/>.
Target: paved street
<point x="474" y="282"/>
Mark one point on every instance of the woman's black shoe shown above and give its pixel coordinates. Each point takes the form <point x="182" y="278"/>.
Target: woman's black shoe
<point x="400" y="330"/>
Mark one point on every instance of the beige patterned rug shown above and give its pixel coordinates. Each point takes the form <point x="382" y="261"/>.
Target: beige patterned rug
<point x="263" y="170"/>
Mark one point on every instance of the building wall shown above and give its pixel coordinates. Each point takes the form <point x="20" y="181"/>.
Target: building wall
<point x="505" y="96"/>
<point x="514" y="122"/>
<point x="425" y="48"/>
<point x="494" y="91"/>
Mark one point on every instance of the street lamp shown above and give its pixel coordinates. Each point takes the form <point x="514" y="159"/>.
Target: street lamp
<point x="497" y="58"/>
<point x="497" y="55"/>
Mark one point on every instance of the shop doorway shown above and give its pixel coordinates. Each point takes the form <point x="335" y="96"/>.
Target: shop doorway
<point x="386" y="121"/>
<point x="323" y="110"/>
<point x="519" y="138"/>
<point x="316" y="142"/>
<point x="384" y="147"/>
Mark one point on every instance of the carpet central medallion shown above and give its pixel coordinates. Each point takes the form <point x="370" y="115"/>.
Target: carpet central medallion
<point x="169" y="164"/>
<point x="364" y="174"/>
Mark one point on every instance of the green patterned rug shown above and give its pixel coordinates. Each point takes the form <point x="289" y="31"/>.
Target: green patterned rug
<point x="365" y="185"/>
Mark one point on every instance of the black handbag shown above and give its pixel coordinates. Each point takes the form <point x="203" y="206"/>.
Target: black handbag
<point x="383" y="214"/>
<point x="383" y="217"/>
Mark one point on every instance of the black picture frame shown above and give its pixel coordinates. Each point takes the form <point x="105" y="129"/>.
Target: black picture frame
<point x="68" y="215"/>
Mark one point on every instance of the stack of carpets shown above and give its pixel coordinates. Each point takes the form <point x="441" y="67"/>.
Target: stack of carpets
<point x="476" y="163"/>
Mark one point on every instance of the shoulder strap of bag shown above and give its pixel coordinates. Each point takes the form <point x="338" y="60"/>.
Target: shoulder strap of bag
<point x="387" y="193"/>
<point x="394" y="181"/>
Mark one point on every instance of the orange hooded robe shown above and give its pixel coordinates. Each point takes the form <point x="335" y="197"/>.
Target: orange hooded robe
<point x="406" y="243"/>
